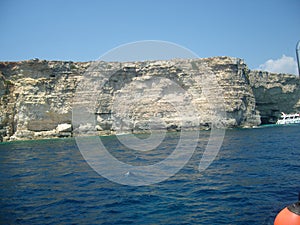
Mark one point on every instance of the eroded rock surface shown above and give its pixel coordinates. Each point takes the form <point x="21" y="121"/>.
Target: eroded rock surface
<point x="275" y="93"/>
<point x="37" y="96"/>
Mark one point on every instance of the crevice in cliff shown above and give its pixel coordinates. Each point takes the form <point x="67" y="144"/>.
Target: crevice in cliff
<point x="8" y="106"/>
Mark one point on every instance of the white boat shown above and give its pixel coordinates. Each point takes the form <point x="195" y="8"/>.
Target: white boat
<point x="289" y="118"/>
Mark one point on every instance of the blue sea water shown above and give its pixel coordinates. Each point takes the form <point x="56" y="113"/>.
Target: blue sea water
<point x="255" y="175"/>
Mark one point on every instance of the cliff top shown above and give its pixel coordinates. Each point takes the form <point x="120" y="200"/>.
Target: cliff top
<point x="71" y="66"/>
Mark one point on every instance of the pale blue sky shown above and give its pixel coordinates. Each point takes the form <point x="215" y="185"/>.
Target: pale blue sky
<point x="255" y="30"/>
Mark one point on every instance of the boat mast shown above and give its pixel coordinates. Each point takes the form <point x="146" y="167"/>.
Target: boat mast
<point x="298" y="56"/>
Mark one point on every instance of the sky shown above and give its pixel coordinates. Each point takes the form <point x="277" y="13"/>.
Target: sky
<point x="262" y="32"/>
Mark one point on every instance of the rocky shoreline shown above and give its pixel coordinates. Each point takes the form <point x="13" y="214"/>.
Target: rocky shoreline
<point x="38" y="97"/>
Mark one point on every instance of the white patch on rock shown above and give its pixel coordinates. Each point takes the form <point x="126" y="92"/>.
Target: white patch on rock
<point x="64" y="127"/>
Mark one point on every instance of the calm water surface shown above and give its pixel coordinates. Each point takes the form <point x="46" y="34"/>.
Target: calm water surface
<point x="256" y="173"/>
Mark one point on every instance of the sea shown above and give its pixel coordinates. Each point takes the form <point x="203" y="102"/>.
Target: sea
<point x="255" y="174"/>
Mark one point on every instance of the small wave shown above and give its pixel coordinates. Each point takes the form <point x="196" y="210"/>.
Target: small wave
<point x="70" y="201"/>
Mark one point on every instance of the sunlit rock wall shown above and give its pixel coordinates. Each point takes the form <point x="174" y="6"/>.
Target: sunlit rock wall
<point x="37" y="96"/>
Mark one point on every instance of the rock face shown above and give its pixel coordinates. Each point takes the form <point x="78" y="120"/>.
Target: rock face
<point x="275" y="93"/>
<point x="38" y="97"/>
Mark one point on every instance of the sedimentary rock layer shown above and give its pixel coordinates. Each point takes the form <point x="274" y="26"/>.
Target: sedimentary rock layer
<point x="47" y="99"/>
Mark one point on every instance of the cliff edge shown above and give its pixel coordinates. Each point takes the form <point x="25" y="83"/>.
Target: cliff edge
<point x="37" y="96"/>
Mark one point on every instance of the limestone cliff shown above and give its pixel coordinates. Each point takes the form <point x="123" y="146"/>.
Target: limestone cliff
<point x="275" y="93"/>
<point x="37" y="96"/>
